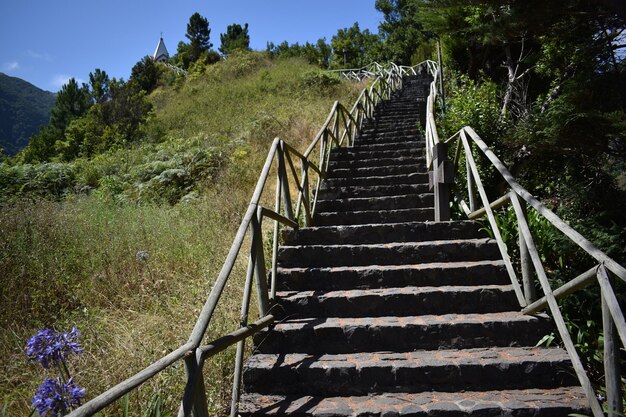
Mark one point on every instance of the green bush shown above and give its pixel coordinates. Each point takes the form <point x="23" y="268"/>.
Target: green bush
<point x="51" y="180"/>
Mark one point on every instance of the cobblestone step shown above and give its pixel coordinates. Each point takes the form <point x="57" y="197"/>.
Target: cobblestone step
<point x="394" y="253"/>
<point x="382" y="276"/>
<point x="385" y="233"/>
<point x="559" y="402"/>
<point x="402" y="334"/>
<point x="373" y="216"/>
<point x="404" y="301"/>
<point x="481" y="369"/>
<point x="391" y="202"/>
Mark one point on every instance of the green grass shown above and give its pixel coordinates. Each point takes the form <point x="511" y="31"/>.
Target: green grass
<point x="179" y="195"/>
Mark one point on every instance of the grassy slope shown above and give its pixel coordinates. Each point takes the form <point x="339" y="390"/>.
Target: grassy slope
<point x="74" y="262"/>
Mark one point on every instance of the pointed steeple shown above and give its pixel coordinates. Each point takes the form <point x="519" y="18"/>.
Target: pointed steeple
<point x="160" y="53"/>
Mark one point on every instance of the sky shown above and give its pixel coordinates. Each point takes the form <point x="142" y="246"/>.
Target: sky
<point x="45" y="42"/>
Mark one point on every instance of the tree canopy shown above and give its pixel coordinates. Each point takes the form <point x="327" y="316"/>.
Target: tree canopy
<point x="235" y="38"/>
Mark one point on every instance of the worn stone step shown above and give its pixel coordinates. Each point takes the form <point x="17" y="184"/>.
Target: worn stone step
<point x="372" y="162"/>
<point x="387" y="146"/>
<point x="330" y="193"/>
<point x="375" y="171"/>
<point x="481" y="369"/>
<point x="392" y="202"/>
<point x="403" y="301"/>
<point x="384" y="233"/>
<point x="481" y="272"/>
<point x="384" y="126"/>
<point x="395" y="253"/>
<point x="414" y="178"/>
<point x="373" y="216"/>
<point x="557" y="402"/>
<point x="408" y="135"/>
<point x="341" y="154"/>
<point x="402" y="334"/>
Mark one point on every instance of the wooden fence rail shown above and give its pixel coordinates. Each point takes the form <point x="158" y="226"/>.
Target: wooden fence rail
<point x="612" y="316"/>
<point x="304" y="171"/>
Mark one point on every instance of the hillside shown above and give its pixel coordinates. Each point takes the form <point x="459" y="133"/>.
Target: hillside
<point x="23" y="109"/>
<point x="178" y="196"/>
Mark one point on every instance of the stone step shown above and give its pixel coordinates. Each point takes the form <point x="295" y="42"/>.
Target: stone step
<point x="558" y="402"/>
<point x="372" y="162"/>
<point x="384" y="233"/>
<point x="409" y="135"/>
<point x="404" y="301"/>
<point x="375" y="171"/>
<point x="373" y="216"/>
<point x="388" y="146"/>
<point x="393" y="179"/>
<point x="481" y="272"/>
<point x="402" y="334"/>
<point x="327" y="193"/>
<point x="342" y="154"/>
<point x="396" y="253"/>
<point x="351" y="374"/>
<point x="376" y="203"/>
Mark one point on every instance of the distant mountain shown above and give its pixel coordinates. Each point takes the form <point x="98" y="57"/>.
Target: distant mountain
<point x="23" y="109"/>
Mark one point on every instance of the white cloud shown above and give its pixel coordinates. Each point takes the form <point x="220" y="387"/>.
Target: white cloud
<point x="11" y="66"/>
<point x="60" y="79"/>
<point x="36" y="55"/>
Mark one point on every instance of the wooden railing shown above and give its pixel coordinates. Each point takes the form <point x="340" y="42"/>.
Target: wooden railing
<point x="375" y="69"/>
<point x="303" y="171"/>
<point x="479" y="206"/>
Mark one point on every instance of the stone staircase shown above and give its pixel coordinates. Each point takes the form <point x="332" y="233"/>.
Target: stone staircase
<point x="389" y="314"/>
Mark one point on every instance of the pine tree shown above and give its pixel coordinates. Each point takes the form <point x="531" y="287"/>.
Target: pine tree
<point x="235" y="38"/>
<point x="198" y="33"/>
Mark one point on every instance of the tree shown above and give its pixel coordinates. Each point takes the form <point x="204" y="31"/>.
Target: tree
<point x="401" y="29"/>
<point x="99" y="83"/>
<point x="72" y="102"/>
<point x="354" y="48"/>
<point x="236" y="37"/>
<point x="145" y="74"/>
<point x="198" y="33"/>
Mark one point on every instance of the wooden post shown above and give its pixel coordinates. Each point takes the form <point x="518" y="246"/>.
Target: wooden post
<point x="612" y="373"/>
<point x="530" y="294"/>
<point x="195" y="392"/>
<point x="243" y="322"/>
<point x="260" y="274"/>
<point x="284" y="184"/>
<point x="442" y="178"/>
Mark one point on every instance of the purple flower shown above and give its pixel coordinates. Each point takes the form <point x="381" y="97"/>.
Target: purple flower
<point x="55" y="398"/>
<point x="51" y="348"/>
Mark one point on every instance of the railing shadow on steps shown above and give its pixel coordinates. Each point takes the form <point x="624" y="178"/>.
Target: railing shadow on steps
<point x="442" y="172"/>
<point x="304" y="171"/>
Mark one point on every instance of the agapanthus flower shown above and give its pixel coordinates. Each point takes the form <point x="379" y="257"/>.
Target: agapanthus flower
<point x="55" y="398"/>
<point x="51" y="348"/>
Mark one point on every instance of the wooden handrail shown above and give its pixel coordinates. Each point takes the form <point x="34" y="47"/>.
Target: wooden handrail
<point x="613" y="316"/>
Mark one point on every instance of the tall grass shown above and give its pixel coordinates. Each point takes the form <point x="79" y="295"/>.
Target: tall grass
<point x="75" y="261"/>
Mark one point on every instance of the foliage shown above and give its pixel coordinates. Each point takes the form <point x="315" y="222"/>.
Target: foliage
<point x="145" y="74"/>
<point x="353" y="48"/>
<point x="235" y="38"/>
<point x="72" y="102"/>
<point x="51" y="180"/>
<point x="199" y="34"/>
<point x="318" y="54"/>
<point x="402" y="31"/>
<point x="320" y="80"/>
<point x="99" y="83"/>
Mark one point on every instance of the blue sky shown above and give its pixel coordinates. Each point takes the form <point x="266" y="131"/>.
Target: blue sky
<point x="46" y="42"/>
